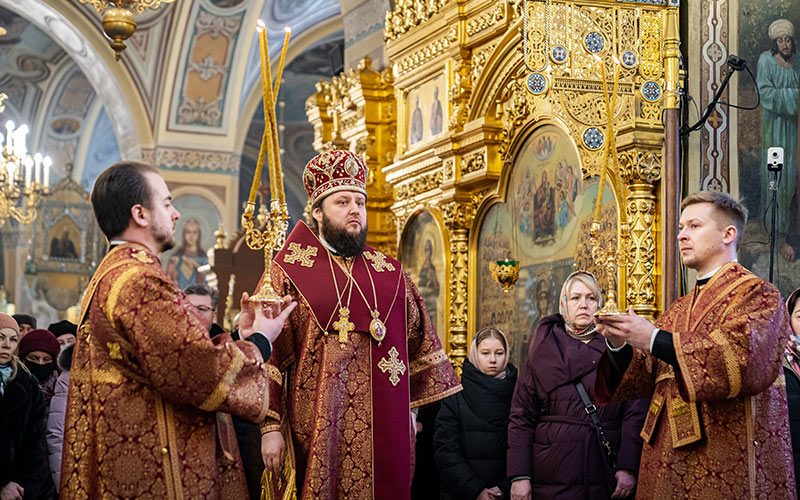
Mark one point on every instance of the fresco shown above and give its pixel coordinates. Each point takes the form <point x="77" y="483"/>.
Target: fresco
<point x="423" y="256"/>
<point x="194" y="235"/>
<point x="767" y="40"/>
<point x="544" y="223"/>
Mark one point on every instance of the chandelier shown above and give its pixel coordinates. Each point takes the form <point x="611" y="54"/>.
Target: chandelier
<point x="118" y="22"/>
<point x="23" y="178"/>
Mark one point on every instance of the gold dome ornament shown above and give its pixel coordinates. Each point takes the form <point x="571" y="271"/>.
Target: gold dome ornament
<point x="118" y="25"/>
<point x="118" y="22"/>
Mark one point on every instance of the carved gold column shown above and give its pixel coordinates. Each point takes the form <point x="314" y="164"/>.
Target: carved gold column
<point x="458" y="216"/>
<point x="357" y="111"/>
<point x="640" y="170"/>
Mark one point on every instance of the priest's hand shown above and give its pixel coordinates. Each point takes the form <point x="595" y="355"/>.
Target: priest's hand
<point x="12" y="491"/>
<point x="264" y="318"/>
<point x="625" y="484"/>
<point x="521" y="489"/>
<point x="272" y="449"/>
<point x="629" y="328"/>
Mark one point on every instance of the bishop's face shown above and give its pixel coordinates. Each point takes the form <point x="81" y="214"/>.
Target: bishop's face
<point x="342" y="219"/>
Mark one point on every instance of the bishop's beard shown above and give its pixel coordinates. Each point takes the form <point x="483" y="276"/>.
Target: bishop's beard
<point x="345" y="244"/>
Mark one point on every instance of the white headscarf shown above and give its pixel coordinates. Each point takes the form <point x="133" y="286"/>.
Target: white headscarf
<point x="587" y="332"/>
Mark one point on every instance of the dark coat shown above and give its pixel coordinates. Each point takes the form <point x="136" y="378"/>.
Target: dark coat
<point x="551" y="437"/>
<point x="23" y="422"/>
<point x="470" y="437"/>
<point x="793" y="401"/>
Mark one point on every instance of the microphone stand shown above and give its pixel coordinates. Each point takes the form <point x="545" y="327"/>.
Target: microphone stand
<point x="773" y="186"/>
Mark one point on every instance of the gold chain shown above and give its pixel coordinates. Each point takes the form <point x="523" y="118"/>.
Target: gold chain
<point x="374" y="294"/>
<point x="338" y="295"/>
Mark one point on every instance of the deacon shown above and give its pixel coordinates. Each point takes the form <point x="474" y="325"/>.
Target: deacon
<point x="717" y="427"/>
<point x="358" y="354"/>
<point x="146" y="378"/>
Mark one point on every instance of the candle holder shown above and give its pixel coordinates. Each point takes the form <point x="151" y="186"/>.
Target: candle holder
<point x="505" y="272"/>
<point x="267" y="230"/>
<point x="608" y="258"/>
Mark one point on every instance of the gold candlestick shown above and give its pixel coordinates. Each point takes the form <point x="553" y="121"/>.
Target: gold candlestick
<point x="273" y="234"/>
<point x="609" y="259"/>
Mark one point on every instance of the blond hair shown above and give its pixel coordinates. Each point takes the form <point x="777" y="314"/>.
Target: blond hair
<point x="725" y="205"/>
<point x="589" y="281"/>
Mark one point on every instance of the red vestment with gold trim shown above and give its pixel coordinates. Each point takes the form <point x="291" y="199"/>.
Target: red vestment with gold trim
<point x="348" y="403"/>
<point x="146" y="380"/>
<point x="719" y="428"/>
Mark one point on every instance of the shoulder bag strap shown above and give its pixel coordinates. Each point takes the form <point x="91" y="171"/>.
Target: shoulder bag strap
<point x="591" y="410"/>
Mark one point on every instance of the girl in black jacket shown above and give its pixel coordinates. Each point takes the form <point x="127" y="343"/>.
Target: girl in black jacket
<point x="470" y="439"/>
<point x="791" y="369"/>
<point x="23" y="422"/>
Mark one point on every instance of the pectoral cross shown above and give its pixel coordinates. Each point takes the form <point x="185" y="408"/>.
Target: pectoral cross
<point x="344" y="326"/>
<point x="392" y="365"/>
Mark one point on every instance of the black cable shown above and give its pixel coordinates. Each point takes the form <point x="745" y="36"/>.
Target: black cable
<point x="734" y="64"/>
<point x="758" y="95"/>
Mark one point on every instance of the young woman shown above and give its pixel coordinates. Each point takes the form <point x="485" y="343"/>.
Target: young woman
<point x="791" y="369"/>
<point x="471" y="428"/>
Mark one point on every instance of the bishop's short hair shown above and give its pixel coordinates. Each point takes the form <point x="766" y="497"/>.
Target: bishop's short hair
<point x="116" y="191"/>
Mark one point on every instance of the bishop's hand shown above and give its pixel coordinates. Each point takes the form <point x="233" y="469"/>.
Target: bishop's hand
<point x="262" y="317"/>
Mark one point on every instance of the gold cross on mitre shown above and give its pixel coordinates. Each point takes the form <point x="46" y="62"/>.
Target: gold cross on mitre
<point x="378" y="261"/>
<point x="344" y="326"/>
<point x="304" y="255"/>
<point x="393" y="366"/>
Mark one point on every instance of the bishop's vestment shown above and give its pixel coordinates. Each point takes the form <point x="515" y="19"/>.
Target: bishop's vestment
<point x="146" y="380"/>
<point x="347" y="400"/>
<point x="717" y="427"/>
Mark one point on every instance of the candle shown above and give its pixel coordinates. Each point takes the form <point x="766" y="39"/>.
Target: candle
<point x="601" y="186"/>
<point x="47" y="162"/>
<point x="37" y="159"/>
<point x="28" y="162"/>
<point x="271" y="135"/>
<point x="288" y="32"/>
<point x="262" y="42"/>
<point x="12" y="169"/>
<point x="10" y="136"/>
<point x="19" y="141"/>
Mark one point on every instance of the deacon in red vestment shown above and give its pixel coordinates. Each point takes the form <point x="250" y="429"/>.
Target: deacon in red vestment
<point x="717" y="427"/>
<point x="356" y="356"/>
<point x="146" y="378"/>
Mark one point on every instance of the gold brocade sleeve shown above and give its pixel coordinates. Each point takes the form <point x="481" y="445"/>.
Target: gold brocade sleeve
<point x="736" y="352"/>
<point x="282" y="355"/>
<point x="431" y="374"/>
<point x="165" y="342"/>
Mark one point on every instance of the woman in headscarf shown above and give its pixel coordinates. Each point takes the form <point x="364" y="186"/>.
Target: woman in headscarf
<point x="23" y="461"/>
<point x="791" y="369"/>
<point x="555" y="448"/>
<point x="471" y="428"/>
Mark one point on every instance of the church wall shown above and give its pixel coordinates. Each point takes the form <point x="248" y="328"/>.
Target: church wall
<point x="727" y="153"/>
